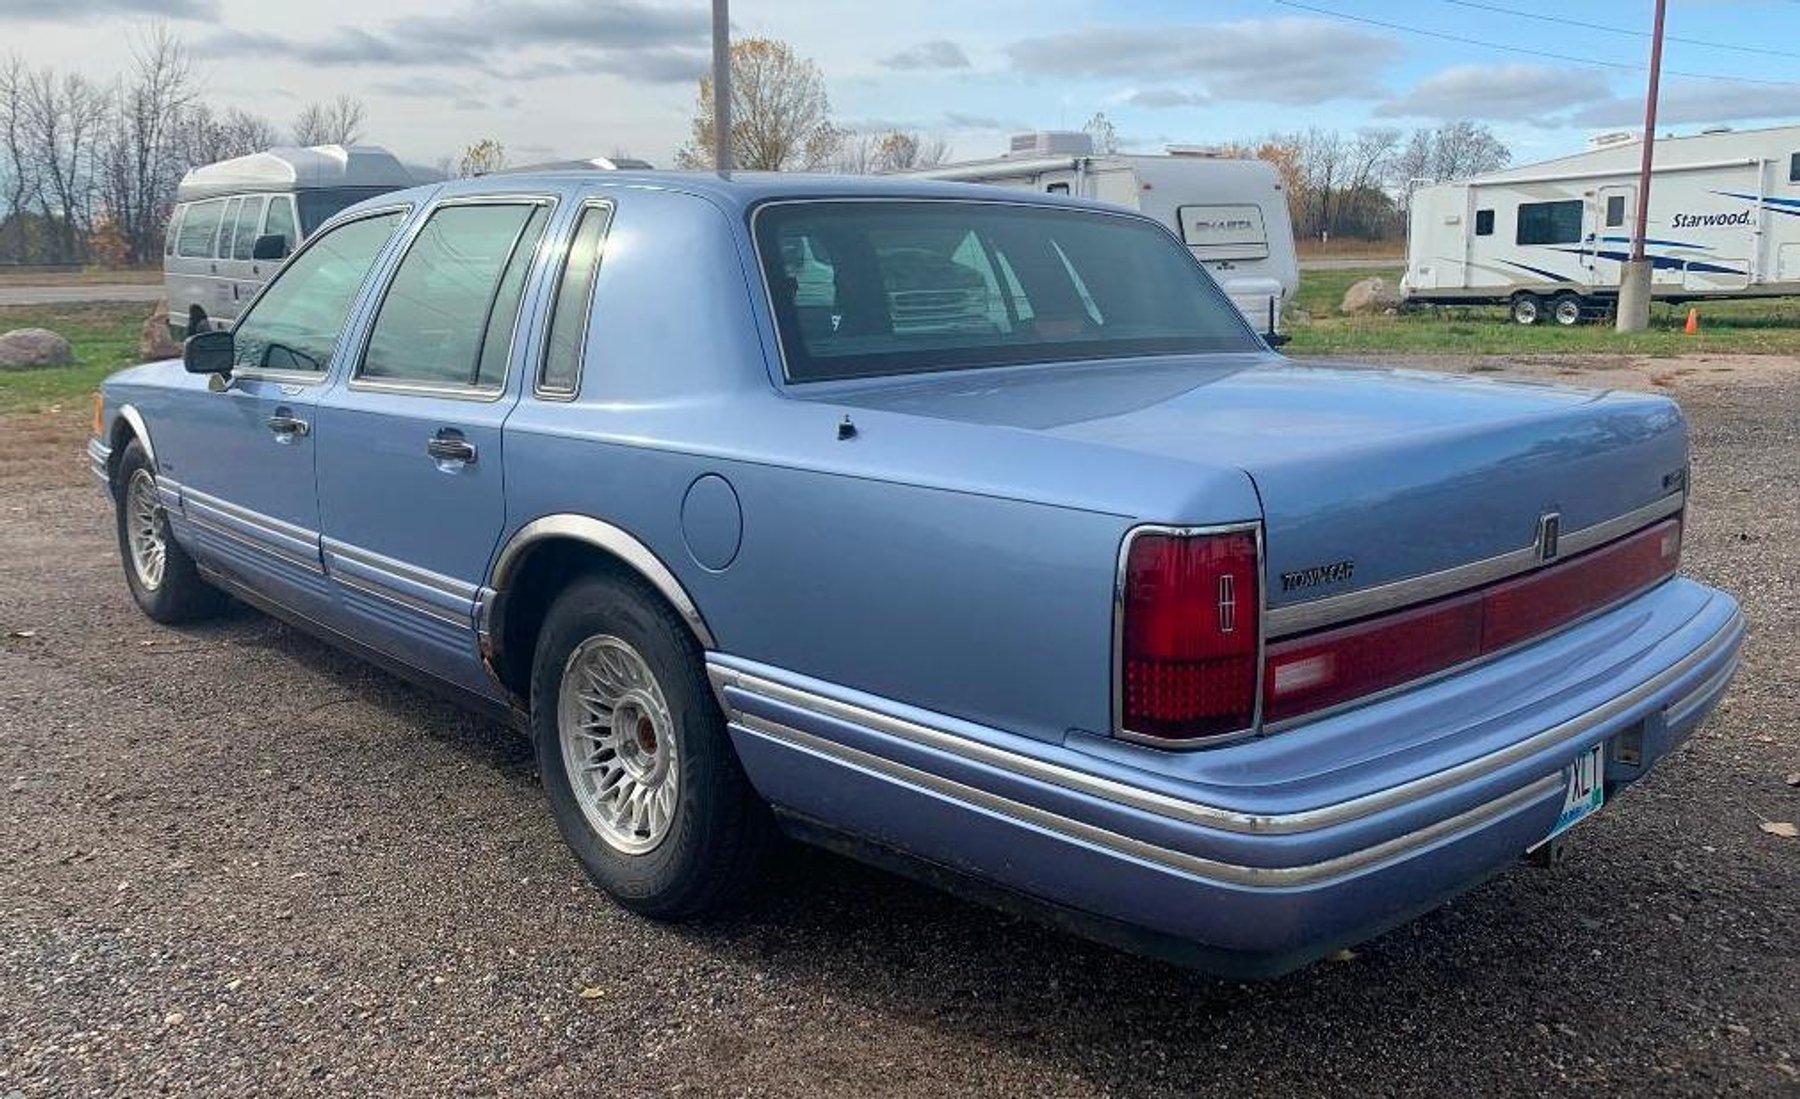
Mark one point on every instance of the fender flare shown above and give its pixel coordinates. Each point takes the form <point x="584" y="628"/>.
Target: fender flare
<point x="135" y="420"/>
<point x="604" y="536"/>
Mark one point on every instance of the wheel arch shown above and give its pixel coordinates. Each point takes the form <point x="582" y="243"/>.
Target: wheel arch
<point x="128" y="423"/>
<point x="538" y="562"/>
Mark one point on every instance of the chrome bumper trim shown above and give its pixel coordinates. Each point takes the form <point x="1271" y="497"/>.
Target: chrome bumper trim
<point x="1255" y="877"/>
<point x="1192" y="812"/>
<point x="1316" y="613"/>
<point x="99" y="457"/>
<point x="1683" y="708"/>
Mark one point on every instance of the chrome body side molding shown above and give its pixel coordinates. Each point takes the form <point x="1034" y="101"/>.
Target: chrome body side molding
<point x="1331" y="610"/>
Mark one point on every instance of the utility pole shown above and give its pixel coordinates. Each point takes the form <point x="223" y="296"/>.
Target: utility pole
<point x="721" y="84"/>
<point x="1635" y="274"/>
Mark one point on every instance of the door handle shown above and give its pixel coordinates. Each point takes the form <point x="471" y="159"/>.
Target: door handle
<point x="286" y="426"/>
<point x="448" y="447"/>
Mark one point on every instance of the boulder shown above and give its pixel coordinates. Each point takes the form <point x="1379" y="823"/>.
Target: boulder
<point x="31" y="348"/>
<point x="155" y="342"/>
<point x="1371" y="296"/>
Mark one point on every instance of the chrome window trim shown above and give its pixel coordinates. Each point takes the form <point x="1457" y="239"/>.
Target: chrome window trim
<point x="1337" y="609"/>
<point x="319" y="377"/>
<point x="480" y="394"/>
<point x="1188" y="811"/>
<point x="768" y="301"/>
<point x="1118" y="636"/>
<point x="1197" y="866"/>
<point x="538" y="389"/>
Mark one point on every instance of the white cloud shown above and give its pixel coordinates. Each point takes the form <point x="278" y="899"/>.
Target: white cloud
<point x="1159" y="98"/>
<point x="1510" y="93"/>
<point x="1696" y="102"/>
<point x="1290" y="61"/>
<point x="939" y="53"/>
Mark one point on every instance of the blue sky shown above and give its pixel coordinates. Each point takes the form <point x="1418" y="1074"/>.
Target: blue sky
<point x="584" y="77"/>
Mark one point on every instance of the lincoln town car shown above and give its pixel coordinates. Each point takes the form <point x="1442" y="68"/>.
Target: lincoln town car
<point x="968" y="531"/>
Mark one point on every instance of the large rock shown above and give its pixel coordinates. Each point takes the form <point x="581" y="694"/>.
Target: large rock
<point x="32" y="348"/>
<point x="155" y="342"/>
<point x="1370" y="296"/>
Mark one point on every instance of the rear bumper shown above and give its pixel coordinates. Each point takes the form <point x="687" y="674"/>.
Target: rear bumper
<point x="1261" y="856"/>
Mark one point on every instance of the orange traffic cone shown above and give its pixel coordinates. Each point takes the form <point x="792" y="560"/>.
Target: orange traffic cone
<point x="1693" y="323"/>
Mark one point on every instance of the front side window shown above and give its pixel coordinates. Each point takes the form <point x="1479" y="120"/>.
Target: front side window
<point x="447" y="317"/>
<point x="863" y="289"/>
<point x="561" y="371"/>
<point x="249" y="218"/>
<point x="199" y="227"/>
<point x="280" y="222"/>
<point x="296" y="323"/>
<point x="1550" y="222"/>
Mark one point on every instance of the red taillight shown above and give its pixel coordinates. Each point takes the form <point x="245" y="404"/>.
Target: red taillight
<point x="1322" y="670"/>
<point x="1189" y="635"/>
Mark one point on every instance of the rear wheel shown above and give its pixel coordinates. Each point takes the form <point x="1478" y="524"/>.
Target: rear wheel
<point x="1527" y="308"/>
<point x="162" y="577"/>
<point x="1566" y="309"/>
<point x="636" y="762"/>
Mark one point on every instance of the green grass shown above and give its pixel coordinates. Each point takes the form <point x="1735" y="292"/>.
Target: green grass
<point x="104" y="336"/>
<point x="1770" y="327"/>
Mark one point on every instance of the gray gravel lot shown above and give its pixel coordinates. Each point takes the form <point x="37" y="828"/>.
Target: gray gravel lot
<point x="235" y="861"/>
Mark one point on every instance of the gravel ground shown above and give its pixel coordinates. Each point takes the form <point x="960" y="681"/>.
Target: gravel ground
<point x="235" y="861"/>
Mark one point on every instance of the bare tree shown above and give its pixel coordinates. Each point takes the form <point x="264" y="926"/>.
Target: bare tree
<point x="16" y="168"/>
<point x="1456" y="150"/>
<point x="140" y="161"/>
<point x="1104" y="133"/>
<point x="781" y="116"/>
<point x="339" y="122"/>
<point x="62" y="119"/>
<point x="484" y="156"/>
<point x="893" y="151"/>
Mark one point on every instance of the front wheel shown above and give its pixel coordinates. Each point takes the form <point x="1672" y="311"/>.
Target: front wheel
<point x="162" y="577"/>
<point x="636" y="762"/>
<point x="1527" y="308"/>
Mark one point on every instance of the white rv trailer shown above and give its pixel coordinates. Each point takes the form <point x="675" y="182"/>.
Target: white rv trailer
<point x="1232" y="214"/>
<point x="1549" y="239"/>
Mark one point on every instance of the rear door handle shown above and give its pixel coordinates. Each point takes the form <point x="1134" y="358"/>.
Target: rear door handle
<point x="286" y="426"/>
<point x="449" y="446"/>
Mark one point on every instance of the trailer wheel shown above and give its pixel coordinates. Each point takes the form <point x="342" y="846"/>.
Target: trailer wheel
<point x="1527" y="308"/>
<point x="1566" y="309"/>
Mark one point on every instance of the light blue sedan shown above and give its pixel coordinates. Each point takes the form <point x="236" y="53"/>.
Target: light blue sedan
<point x="966" y="530"/>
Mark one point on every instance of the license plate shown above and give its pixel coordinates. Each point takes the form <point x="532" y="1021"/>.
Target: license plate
<point x="1584" y="788"/>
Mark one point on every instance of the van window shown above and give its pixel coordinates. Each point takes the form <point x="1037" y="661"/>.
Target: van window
<point x="1615" y="211"/>
<point x="1484" y="223"/>
<point x="198" y="228"/>
<point x="561" y="371"/>
<point x="434" y="319"/>
<point x="173" y="230"/>
<point x="280" y="222"/>
<point x="249" y="218"/>
<point x="1549" y="222"/>
<point x="228" y="228"/>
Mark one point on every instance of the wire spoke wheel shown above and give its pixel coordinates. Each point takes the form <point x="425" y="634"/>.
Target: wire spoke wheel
<point x="618" y="744"/>
<point x="145" y="530"/>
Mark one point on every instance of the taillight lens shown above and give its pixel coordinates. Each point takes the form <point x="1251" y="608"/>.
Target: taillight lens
<point x="1188" y="639"/>
<point x="1320" y="670"/>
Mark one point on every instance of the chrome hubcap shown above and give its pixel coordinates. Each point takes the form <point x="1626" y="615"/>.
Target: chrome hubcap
<point x="144" y="530"/>
<point x="618" y="744"/>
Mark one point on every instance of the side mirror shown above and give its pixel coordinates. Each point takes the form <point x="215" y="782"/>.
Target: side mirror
<point x="269" y="246"/>
<point x="209" y="353"/>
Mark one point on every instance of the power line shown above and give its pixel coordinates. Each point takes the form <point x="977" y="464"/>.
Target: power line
<point x="1617" y="30"/>
<point x="1588" y="61"/>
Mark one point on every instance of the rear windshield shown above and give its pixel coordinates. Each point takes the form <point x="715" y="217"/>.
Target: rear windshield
<point x="863" y="289"/>
<point x="317" y="206"/>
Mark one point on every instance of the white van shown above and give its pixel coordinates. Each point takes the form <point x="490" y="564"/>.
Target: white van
<point x="1232" y="214"/>
<point x="235" y="221"/>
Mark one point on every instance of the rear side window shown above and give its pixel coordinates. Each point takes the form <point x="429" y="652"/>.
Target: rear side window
<point x="249" y="218"/>
<point x="1484" y="223"/>
<point x="873" y="288"/>
<point x="173" y="231"/>
<point x="459" y="283"/>
<point x="561" y="373"/>
<point x="228" y="227"/>
<point x="296" y="323"/>
<point x="199" y="227"/>
<point x="1550" y="222"/>
<point x="280" y="222"/>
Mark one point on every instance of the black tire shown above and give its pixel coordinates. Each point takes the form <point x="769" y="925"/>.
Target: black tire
<point x="178" y="594"/>
<point x="719" y="832"/>
<point x="1526" y="308"/>
<point x="1567" y="309"/>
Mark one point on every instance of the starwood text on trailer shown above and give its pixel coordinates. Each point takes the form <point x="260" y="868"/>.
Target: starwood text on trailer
<point x="1550" y="239"/>
<point x="966" y="529"/>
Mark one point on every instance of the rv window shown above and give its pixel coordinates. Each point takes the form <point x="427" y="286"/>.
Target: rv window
<point x="1484" y="223"/>
<point x="1794" y="169"/>
<point x="1615" y="211"/>
<point x="1550" y="222"/>
<point x="1057" y="189"/>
